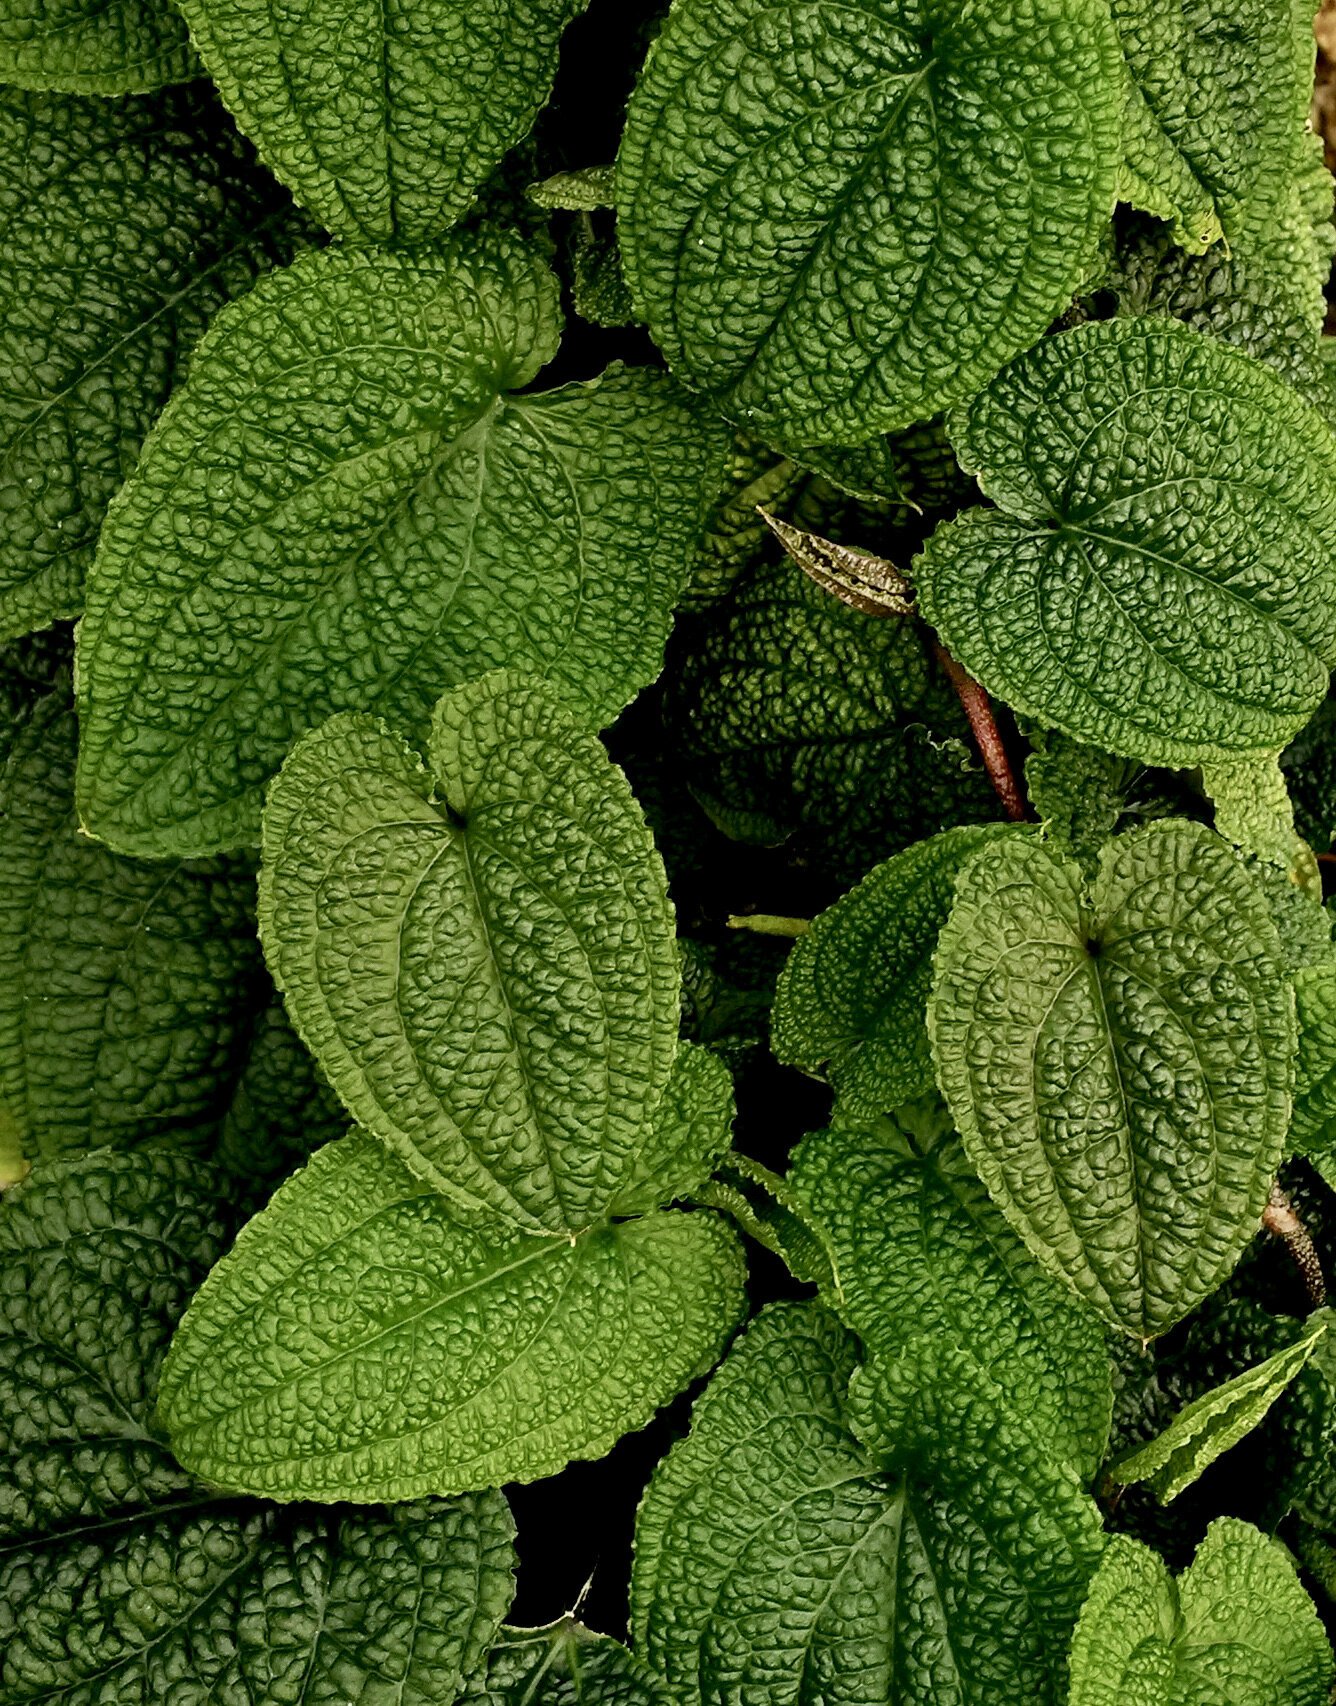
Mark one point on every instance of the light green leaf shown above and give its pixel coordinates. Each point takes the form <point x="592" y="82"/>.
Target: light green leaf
<point x="797" y="716"/>
<point x="1120" y="1067"/>
<point x="920" y="1256"/>
<point x="1219" y="1419"/>
<point x="1216" y="105"/>
<point x="1236" y="1629"/>
<point x="1158" y="577"/>
<point x="123" y="227"/>
<point x="127" y="990"/>
<point x="564" y="1664"/>
<point x="347" y="508"/>
<point x="360" y="1343"/>
<point x="774" y="1562"/>
<point x="384" y="121"/>
<point x="93" y="47"/>
<point x="850" y="1003"/>
<point x="121" y="1577"/>
<point x="485" y="969"/>
<point x="1080" y="793"/>
<point x="1313" y="1127"/>
<point x="1253" y="810"/>
<point x="837" y="219"/>
<point x="690" y="1129"/>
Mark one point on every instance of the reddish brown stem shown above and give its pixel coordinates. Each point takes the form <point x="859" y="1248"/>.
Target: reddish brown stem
<point x="1280" y="1220"/>
<point x="987" y="737"/>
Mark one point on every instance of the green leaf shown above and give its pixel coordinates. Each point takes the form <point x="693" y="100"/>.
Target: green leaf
<point x="123" y="1578"/>
<point x="851" y="1001"/>
<point x="360" y="1343"/>
<point x="1313" y="1126"/>
<point x="383" y="121"/>
<point x="1120" y="1066"/>
<point x="93" y="47"/>
<point x="1216" y="104"/>
<point x="1253" y="810"/>
<point x="1309" y="764"/>
<point x="920" y="1255"/>
<point x="127" y="990"/>
<point x="1262" y="290"/>
<point x="1159" y="575"/>
<point x="1213" y="1423"/>
<point x="485" y="969"/>
<point x="773" y="1562"/>
<point x="1236" y="1628"/>
<point x="564" y="1664"/>
<point x="1082" y="794"/>
<point x="838" y="219"/>
<point x="123" y="227"/>
<point x="343" y="509"/>
<point x="797" y="716"/>
<point x="690" y="1130"/>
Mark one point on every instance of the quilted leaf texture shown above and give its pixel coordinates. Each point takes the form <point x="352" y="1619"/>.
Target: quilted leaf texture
<point x="127" y="990"/>
<point x="1235" y="1629"/>
<point x="797" y="716"/>
<point x="1216" y="105"/>
<point x="1158" y="577"/>
<point x="486" y="971"/>
<point x="773" y="1562"/>
<point x="1120" y="1066"/>
<point x="122" y="1578"/>
<point x="345" y="508"/>
<point x="920" y="1255"/>
<point x="564" y="1664"/>
<point x="361" y="1343"/>
<point x="281" y="1108"/>
<point x="123" y="227"/>
<point x="384" y="121"/>
<point x="851" y="1001"/>
<point x="691" y="1129"/>
<point x="93" y="47"/>
<point x="839" y="218"/>
<point x="1313" y="1128"/>
<point x="1209" y="1426"/>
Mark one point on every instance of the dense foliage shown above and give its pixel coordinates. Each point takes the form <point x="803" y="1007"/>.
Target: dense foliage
<point x="667" y="1020"/>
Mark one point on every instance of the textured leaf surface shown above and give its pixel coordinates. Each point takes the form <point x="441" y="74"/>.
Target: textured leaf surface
<point x="121" y="1578"/>
<point x="1158" y="576"/>
<point x="360" y="1343"/>
<point x="690" y="1130"/>
<point x="487" y="973"/>
<point x="1120" y="1067"/>
<point x="837" y="219"/>
<point x="93" y="47"/>
<point x="281" y="1108"/>
<point x="345" y="509"/>
<point x="920" y="1256"/>
<point x="1313" y="1127"/>
<point x="1236" y="1629"/>
<point x="797" y="716"/>
<point x="564" y="1664"/>
<point x="123" y="227"/>
<point x="772" y="1563"/>
<point x="127" y="990"/>
<point x="1219" y="1419"/>
<point x="851" y="1001"/>
<point x="1216" y="103"/>
<point x="384" y="121"/>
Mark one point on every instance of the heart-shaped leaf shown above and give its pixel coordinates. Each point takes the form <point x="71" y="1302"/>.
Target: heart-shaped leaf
<point x="484" y="966"/>
<point x="837" y="219"/>
<point x="1236" y="1626"/>
<point x="360" y="1342"/>
<point x="1160" y="574"/>
<point x="1120" y="1066"/>
<point x="348" y="508"/>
